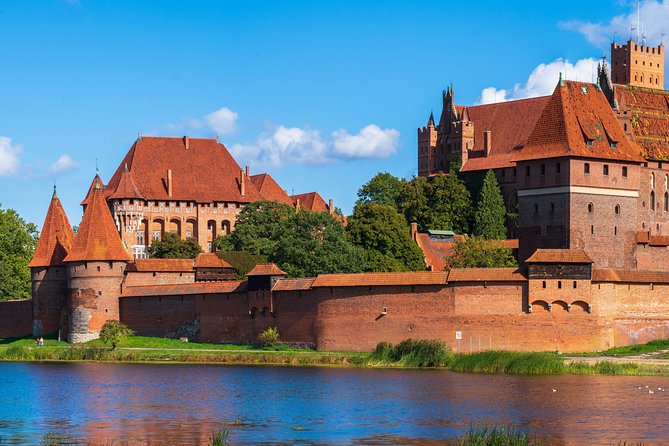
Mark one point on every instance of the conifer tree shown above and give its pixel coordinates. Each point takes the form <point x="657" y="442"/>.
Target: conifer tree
<point x="489" y="221"/>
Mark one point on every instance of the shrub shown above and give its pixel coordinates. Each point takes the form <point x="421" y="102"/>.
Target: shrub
<point x="113" y="332"/>
<point x="413" y="353"/>
<point x="269" y="337"/>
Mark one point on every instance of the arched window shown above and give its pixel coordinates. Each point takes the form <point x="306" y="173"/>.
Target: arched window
<point x="591" y="207"/>
<point x="617" y="209"/>
<point x="666" y="181"/>
<point x="652" y="181"/>
<point x="666" y="202"/>
<point x="652" y="200"/>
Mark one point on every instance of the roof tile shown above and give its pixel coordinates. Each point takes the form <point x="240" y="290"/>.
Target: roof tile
<point x="266" y="269"/>
<point x="186" y="289"/>
<point x="559" y="256"/>
<point x="56" y="238"/>
<point x="380" y="279"/>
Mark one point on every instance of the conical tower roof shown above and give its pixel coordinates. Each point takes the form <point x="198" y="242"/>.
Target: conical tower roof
<point x="97" y="238"/>
<point x="126" y="187"/>
<point x="56" y="239"/>
<point x="97" y="181"/>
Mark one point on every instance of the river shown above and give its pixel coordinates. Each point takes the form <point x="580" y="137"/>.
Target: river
<point x="171" y="404"/>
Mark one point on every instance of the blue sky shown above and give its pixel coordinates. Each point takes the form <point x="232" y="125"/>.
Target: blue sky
<point x="320" y="94"/>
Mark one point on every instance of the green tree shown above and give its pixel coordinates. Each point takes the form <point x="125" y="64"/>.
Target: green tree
<point x="113" y="332"/>
<point x="269" y="337"/>
<point x="384" y="234"/>
<point x="173" y="247"/>
<point x="260" y="226"/>
<point x="314" y="243"/>
<point x="490" y="218"/>
<point x="383" y="188"/>
<point x="18" y="240"/>
<point x="477" y="252"/>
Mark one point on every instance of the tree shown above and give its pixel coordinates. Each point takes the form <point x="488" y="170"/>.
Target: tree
<point x="490" y="218"/>
<point x="477" y="252"/>
<point x="260" y="225"/>
<point x="269" y="337"/>
<point x="18" y="240"/>
<point x="383" y="188"/>
<point x="314" y="243"/>
<point x="173" y="247"/>
<point x="113" y="332"/>
<point x="384" y="234"/>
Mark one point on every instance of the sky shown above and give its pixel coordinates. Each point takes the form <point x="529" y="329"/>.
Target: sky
<point x="320" y="94"/>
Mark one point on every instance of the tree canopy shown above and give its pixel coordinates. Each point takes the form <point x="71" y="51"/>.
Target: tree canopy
<point x="173" y="247"/>
<point x="477" y="252"/>
<point x="490" y="218"/>
<point x="383" y="188"/>
<point x="384" y="234"/>
<point x="18" y="240"/>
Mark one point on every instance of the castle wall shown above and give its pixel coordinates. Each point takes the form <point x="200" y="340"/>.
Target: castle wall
<point x="158" y="278"/>
<point x="16" y="318"/>
<point x="49" y="291"/>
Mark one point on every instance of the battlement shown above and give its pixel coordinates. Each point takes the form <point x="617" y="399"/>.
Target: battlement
<point x="637" y="64"/>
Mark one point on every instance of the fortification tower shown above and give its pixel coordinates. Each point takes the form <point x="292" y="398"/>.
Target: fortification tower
<point x="637" y="64"/>
<point x="427" y="147"/>
<point x="47" y="269"/>
<point x="95" y="267"/>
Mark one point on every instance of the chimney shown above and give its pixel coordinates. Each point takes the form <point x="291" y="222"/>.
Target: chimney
<point x="297" y="204"/>
<point x="414" y="231"/>
<point x="248" y="171"/>
<point x="242" y="183"/>
<point x="487" y="142"/>
<point x="331" y="206"/>
<point x="187" y="142"/>
<point x="169" y="182"/>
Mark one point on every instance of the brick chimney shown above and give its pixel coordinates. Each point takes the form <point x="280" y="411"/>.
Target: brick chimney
<point x="297" y="204"/>
<point x="487" y="142"/>
<point x="331" y="206"/>
<point x="414" y="231"/>
<point x="242" y="183"/>
<point x="248" y="171"/>
<point x="186" y="142"/>
<point x="169" y="182"/>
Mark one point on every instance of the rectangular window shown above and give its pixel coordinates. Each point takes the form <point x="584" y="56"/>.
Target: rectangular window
<point x="559" y="284"/>
<point x="606" y="170"/>
<point x="543" y="170"/>
<point x="527" y="171"/>
<point x="624" y="171"/>
<point x="586" y="168"/>
<point x="557" y="168"/>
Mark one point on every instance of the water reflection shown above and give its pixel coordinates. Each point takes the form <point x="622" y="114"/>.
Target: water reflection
<point x="183" y="404"/>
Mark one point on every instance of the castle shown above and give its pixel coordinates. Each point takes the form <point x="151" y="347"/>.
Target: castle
<point x="584" y="166"/>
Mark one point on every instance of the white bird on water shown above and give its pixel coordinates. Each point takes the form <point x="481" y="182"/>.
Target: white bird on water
<point x="554" y="390"/>
<point x="650" y="392"/>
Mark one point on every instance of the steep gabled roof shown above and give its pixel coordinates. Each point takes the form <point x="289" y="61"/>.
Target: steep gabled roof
<point x="266" y="269"/>
<point x="311" y="201"/>
<point x="126" y="187"/>
<point x="649" y="110"/>
<point x="56" y="238"/>
<point x="559" y="256"/>
<point x="269" y="189"/>
<point x="510" y="124"/>
<point x="97" y="238"/>
<point x="202" y="171"/>
<point x="210" y="260"/>
<point x="578" y="121"/>
<point x="97" y="182"/>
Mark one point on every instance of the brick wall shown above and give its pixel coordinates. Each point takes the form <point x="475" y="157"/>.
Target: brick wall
<point x="16" y="318"/>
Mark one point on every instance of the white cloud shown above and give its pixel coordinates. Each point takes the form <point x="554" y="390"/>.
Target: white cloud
<point x="542" y="80"/>
<point x="370" y="142"/>
<point x="63" y="164"/>
<point x="654" y="18"/>
<point x="223" y="121"/>
<point x="9" y="156"/>
<point x="307" y="146"/>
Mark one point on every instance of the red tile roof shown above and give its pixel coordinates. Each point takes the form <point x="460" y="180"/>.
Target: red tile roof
<point x="649" y="113"/>
<point x="205" y="172"/>
<point x="161" y="265"/>
<point x="559" y="256"/>
<point x="435" y="251"/>
<point x="293" y="284"/>
<point x="97" y="182"/>
<point x="510" y="124"/>
<point x="659" y="240"/>
<point x="485" y="274"/>
<point x="126" y="187"/>
<point x="56" y="238"/>
<point x="577" y="112"/>
<point x="270" y="189"/>
<point x="186" y="289"/>
<point x="629" y="276"/>
<point x="97" y="238"/>
<point x="210" y="260"/>
<point x="380" y="279"/>
<point x="311" y="201"/>
<point x="643" y="237"/>
<point x="266" y="269"/>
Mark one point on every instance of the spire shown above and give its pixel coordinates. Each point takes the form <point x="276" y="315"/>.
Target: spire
<point x="97" y="238"/>
<point x="125" y="188"/>
<point x="54" y="196"/>
<point x="560" y="81"/>
<point x="56" y="238"/>
<point x="96" y="184"/>
<point x="430" y="122"/>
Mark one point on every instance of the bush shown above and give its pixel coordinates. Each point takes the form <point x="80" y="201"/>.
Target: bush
<point x="269" y="337"/>
<point x="113" y="332"/>
<point x="413" y="353"/>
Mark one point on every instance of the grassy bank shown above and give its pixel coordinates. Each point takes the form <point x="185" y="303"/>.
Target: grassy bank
<point x="406" y="354"/>
<point x="633" y="350"/>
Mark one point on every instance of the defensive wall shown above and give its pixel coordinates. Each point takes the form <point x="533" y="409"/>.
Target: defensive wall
<point x="16" y="318"/>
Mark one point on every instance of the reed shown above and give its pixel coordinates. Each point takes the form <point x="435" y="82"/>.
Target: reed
<point x="497" y="436"/>
<point x="509" y="362"/>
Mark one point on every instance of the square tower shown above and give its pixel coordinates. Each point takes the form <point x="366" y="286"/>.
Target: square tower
<point x="638" y="65"/>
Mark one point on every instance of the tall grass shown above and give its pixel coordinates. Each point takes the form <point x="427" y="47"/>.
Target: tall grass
<point x="411" y="353"/>
<point x="497" y="436"/>
<point x="509" y="362"/>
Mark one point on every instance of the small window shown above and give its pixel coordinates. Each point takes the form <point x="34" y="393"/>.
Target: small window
<point x="592" y="230"/>
<point x="559" y="284"/>
<point x="615" y="230"/>
<point x="527" y="171"/>
<point x="544" y="284"/>
<point x="543" y="170"/>
<point x="589" y="142"/>
<point x="666" y="202"/>
<point x="536" y="209"/>
<point x="652" y="200"/>
<point x="624" y="171"/>
<point x="557" y="168"/>
<point x="617" y="209"/>
<point x="574" y="284"/>
<point x="586" y="168"/>
<point x="552" y="208"/>
<point x="591" y="207"/>
<point x="606" y="170"/>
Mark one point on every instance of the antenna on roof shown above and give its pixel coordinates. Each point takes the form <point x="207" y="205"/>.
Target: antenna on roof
<point x="217" y="140"/>
<point x="96" y="167"/>
<point x="638" y="20"/>
<point x="139" y="136"/>
<point x="615" y="33"/>
<point x="54" y="189"/>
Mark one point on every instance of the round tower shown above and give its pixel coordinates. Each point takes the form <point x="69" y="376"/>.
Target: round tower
<point x="48" y="271"/>
<point x="95" y="268"/>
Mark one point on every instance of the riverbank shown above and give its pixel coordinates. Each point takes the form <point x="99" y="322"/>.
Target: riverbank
<point x="407" y="354"/>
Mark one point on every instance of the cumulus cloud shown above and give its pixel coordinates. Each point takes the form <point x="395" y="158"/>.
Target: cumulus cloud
<point x="223" y="121"/>
<point x="63" y="164"/>
<point x="370" y="142"/>
<point x="9" y="156"/>
<point x="542" y="80"/>
<point x="654" y="17"/>
<point x="307" y="146"/>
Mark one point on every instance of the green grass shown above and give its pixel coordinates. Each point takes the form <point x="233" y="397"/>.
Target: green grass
<point x="497" y="436"/>
<point x="510" y="363"/>
<point x="411" y="353"/>
<point x="632" y="350"/>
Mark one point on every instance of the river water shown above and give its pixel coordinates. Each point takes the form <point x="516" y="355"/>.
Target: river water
<point x="168" y="404"/>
